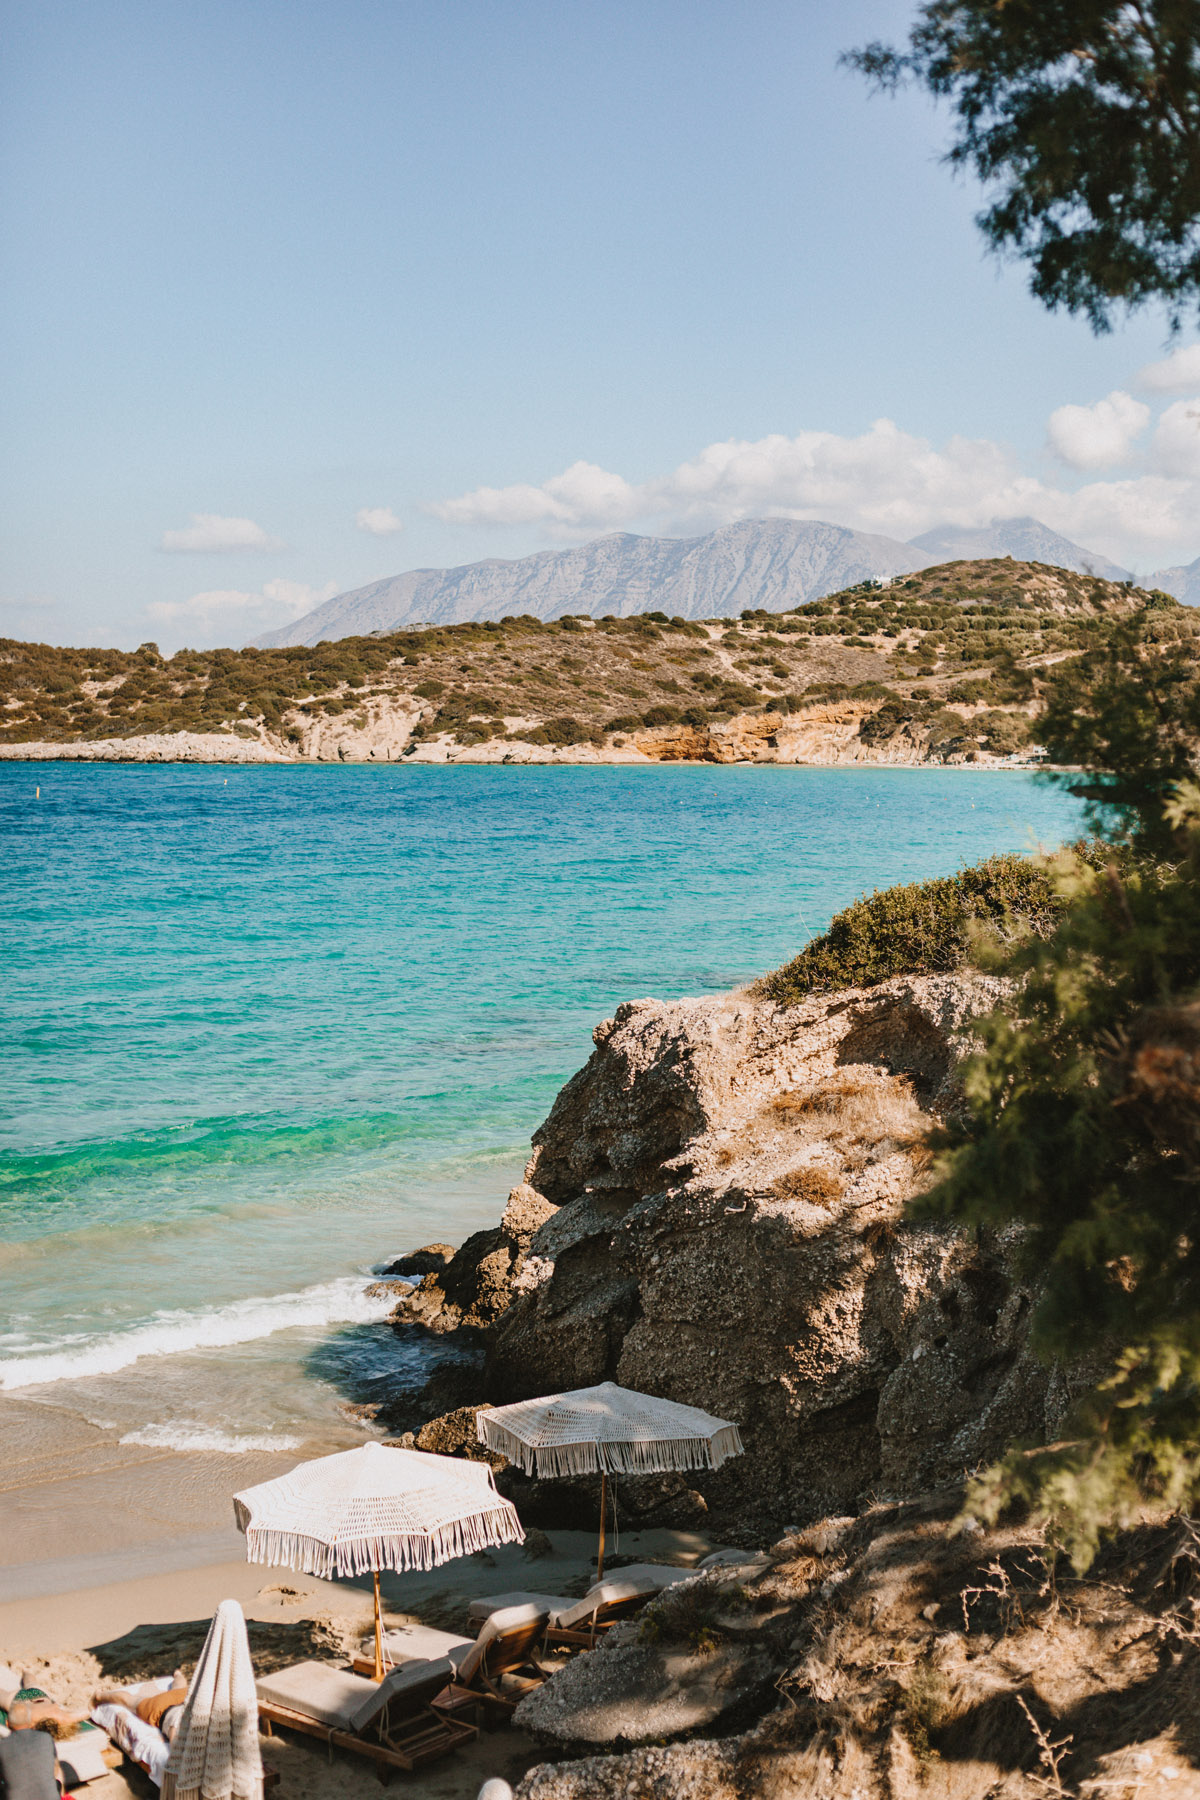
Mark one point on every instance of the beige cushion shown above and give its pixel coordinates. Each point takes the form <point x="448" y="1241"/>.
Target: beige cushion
<point x="82" y="1757"/>
<point x="404" y="1690"/>
<point x="509" y="1620"/>
<point x="657" y="1575"/>
<point x="598" y="1599"/>
<point x="487" y="1604"/>
<point x="736" y="1559"/>
<point x="419" y="1643"/>
<point x="330" y="1696"/>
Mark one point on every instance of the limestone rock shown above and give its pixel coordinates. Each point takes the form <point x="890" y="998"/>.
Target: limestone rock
<point x="427" y="1261"/>
<point x="624" y="1694"/>
<point x="721" y="1191"/>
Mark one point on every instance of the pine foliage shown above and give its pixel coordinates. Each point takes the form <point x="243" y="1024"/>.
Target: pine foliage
<point x="1081" y="1122"/>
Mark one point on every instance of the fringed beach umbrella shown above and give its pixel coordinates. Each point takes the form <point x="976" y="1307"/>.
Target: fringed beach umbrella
<point x="609" y="1429"/>
<point x="214" y="1753"/>
<point x="375" y="1508"/>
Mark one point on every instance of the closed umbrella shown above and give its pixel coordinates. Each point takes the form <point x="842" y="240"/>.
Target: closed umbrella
<point x="609" y="1429"/>
<point x="214" y="1753"/>
<point x="375" y="1508"/>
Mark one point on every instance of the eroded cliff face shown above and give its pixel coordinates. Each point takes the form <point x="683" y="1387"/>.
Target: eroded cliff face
<point x="713" y="1212"/>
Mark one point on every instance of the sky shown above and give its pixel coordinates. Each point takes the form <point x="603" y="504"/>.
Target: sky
<point x="299" y="295"/>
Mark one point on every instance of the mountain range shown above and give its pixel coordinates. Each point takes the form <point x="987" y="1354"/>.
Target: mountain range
<point x="772" y="564"/>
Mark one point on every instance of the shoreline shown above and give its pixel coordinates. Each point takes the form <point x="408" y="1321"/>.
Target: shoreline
<point x="83" y="753"/>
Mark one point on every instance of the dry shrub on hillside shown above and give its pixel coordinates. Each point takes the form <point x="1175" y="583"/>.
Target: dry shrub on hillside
<point x="851" y="1109"/>
<point x="819" y="1187"/>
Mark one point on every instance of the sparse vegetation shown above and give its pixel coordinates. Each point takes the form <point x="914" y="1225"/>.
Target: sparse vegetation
<point x="923" y="927"/>
<point x="936" y="663"/>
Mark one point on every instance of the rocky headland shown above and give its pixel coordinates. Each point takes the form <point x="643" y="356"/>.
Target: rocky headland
<point x="714" y="1211"/>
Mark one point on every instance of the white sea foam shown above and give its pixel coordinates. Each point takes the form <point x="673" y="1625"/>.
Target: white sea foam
<point x="341" y="1302"/>
<point x="186" y="1434"/>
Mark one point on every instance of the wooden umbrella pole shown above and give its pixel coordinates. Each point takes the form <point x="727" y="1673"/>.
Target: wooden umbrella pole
<point x="603" y="1509"/>
<point x="378" y="1630"/>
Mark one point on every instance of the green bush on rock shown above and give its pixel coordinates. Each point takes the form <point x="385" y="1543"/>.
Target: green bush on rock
<point x="922" y="927"/>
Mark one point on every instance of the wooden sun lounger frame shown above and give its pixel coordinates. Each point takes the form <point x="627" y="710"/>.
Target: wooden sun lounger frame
<point x="503" y="1655"/>
<point x="426" y="1739"/>
<point x="607" y="1614"/>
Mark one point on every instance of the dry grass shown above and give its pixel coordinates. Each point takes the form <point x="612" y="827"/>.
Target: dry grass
<point x="820" y="1187"/>
<point x="851" y="1109"/>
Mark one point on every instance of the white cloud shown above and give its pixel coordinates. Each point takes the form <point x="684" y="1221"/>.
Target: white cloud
<point x="380" y="521"/>
<point x="1176" y="446"/>
<point x="210" y="531"/>
<point x="1096" y="437"/>
<point x="276" y="602"/>
<point x="1178" y="373"/>
<point x="884" y="480"/>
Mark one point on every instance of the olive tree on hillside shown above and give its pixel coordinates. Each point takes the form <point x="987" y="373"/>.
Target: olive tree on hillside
<point x="1083" y="119"/>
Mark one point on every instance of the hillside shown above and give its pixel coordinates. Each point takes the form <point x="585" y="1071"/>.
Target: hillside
<point x="941" y="664"/>
<point x="773" y="563"/>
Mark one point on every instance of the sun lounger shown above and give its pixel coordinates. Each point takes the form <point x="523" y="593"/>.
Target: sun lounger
<point x="734" y="1559"/>
<point x="404" y="1644"/>
<point x="142" y="1743"/>
<point x="661" y="1575"/>
<point x="390" y="1721"/>
<point x="481" y="1610"/>
<point x="578" y="1625"/>
<point x="501" y="1666"/>
<point x="88" y="1756"/>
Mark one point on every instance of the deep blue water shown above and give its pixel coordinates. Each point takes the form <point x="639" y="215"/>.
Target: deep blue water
<point x="266" y="1026"/>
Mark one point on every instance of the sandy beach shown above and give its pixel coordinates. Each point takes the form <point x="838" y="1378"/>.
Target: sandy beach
<point x="116" y="1565"/>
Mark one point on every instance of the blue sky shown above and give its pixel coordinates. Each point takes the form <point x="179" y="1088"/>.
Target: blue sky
<point x="300" y="295"/>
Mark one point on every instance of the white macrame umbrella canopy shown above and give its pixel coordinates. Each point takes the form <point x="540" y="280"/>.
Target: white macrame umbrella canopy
<point x="375" y="1508"/>
<point x="214" y="1753"/>
<point x="606" y="1430"/>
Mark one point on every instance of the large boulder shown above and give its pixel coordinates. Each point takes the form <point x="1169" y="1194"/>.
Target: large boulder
<point x="721" y="1194"/>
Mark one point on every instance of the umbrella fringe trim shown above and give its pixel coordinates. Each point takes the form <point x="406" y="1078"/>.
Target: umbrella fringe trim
<point x="656" y="1456"/>
<point x="169" y="1791"/>
<point x="398" y="1550"/>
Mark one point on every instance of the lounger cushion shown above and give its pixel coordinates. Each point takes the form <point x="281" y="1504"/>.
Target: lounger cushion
<point x="330" y="1696"/>
<point x="404" y="1689"/>
<point x="487" y="1604"/>
<point x="661" y="1575"/>
<point x="604" y="1594"/>
<point x="509" y="1620"/>
<point x="82" y="1757"/>
<point x="420" y="1643"/>
<point x="735" y="1559"/>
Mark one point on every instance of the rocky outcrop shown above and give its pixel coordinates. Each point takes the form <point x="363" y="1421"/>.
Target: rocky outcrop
<point x="908" y="1655"/>
<point x="714" y="1212"/>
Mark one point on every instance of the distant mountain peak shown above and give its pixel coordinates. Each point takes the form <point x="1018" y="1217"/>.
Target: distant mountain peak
<point x="769" y="563"/>
<point x="1024" y="538"/>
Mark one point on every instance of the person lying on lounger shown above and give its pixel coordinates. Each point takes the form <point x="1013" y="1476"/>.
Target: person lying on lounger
<point x="163" y="1711"/>
<point x="31" y="1708"/>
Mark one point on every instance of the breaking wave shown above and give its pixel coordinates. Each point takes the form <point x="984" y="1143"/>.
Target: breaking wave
<point x="341" y="1302"/>
<point x="183" y="1434"/>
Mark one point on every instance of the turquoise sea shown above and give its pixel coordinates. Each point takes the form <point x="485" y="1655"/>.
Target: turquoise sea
<point x="264" y="1028"/>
